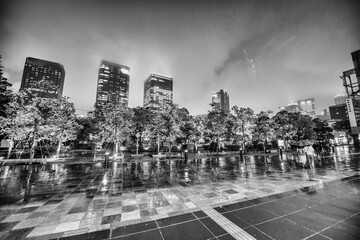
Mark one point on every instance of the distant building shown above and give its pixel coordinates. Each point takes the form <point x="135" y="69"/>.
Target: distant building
<point x="339" y="112"/>
<point x="36" y="70"/>
<point x="340" y="99"/>
<point x="292" y="107"/>
<point x="220" y="100"/>
<point x="307" y="106"/>
<point x="113" y="78"/>
<point x="158" y="91"/>
<point x="201" y="116"/>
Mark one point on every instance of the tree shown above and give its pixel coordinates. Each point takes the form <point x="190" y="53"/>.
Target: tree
<point x="170" y="122"/>
<point x="323" y="131"/>
<point x="283" y="126"/>
<point x="244" y="118"/>
<point x="343" y="125"/>
<point x="143" y="119"/>
<point x="114" y="123"/>
<point x="86" y="130"/>
<point x="263" y="128"/>
<point x="28" y="119"/>
<point x="215" y="124"/>
<point x="5" y="92"/>
<point x="303" y="126"/>
<point x="64" y="127"/>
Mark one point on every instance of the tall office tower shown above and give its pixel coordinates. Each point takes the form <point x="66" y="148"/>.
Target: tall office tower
<point x="113" y="78"/>
<point x="158" y="91"/>
<point x="36" y="70"/>
<point x="220" y="100"/>
<point x="307" y="106"/>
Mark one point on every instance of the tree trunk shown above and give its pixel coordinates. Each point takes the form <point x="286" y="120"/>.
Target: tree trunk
<point x="116" y="148"/>
<point x="32" y="148"/>
<point x="58" y="148"/>
<point x="10" y="149"/>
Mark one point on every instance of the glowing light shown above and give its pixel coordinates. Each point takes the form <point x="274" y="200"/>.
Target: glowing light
<point x="125" y="71"/>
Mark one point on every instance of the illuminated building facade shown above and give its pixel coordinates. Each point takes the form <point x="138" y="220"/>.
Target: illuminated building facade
<point x="292" y="107"/>
<point x="340" y="99"/>
<point x="36" y="70"/>
<point x="220" y="100"/>
<point x="113" y="78"/>
<point x="158" y="91"/>
<point x="307" y="106"/>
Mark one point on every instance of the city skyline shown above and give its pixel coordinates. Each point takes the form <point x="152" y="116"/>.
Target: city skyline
<point x="295" y="50"/>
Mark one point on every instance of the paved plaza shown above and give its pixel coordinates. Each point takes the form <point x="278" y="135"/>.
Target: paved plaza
<point x="261" y="197"/>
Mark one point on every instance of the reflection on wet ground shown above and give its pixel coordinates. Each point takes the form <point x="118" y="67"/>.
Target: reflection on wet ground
<point x="58" y="198"/>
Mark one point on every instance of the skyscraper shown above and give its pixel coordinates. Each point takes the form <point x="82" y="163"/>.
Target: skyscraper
<point x="36" y="70"/>
<point x="220" y="100"/>
<point x="158" y="91"/>
<point x="113" y="78"/>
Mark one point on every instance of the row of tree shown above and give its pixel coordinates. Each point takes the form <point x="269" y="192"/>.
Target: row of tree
<point x="29" y="119"/>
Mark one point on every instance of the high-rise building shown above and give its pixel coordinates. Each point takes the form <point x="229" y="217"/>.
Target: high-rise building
<point x="158" y="91"/>
<point x="220" y="100"/>
<point x="36" y="70"/>
<point x="307" y="106"/>
<point x="113" y="78"/>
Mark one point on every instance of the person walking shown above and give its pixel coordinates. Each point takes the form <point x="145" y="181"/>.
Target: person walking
<point x="310" y="153"/>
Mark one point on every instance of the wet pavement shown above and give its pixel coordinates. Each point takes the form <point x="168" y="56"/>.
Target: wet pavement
<point x="262" y="197"/>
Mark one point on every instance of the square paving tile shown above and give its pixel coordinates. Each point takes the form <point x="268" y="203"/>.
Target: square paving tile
<point x="312" y="219"/>
<point x="130" y="229"/>
<point x="288" y="230"/>
<point x="342" y="231"/>
<point x="38" y="215"/>
<point x="87" y="223"/>
<point x="27" y="223"/>
<point x="210" y="195"/>
<point x="151" y="234"/>
<point x="254" y="215"/>
<point x="129" y="208"/>
<point x="257" y="234"/>
<point x="236" y="220"/>
<point x="112" y="211"/>
<point x="17" y="234"/>
<point x="17" y="217"/>
<point x="26" y="210"/>
<point x="78" y="210"/>
<point x="231" y="191"/>
<point x="113" y="204"/>
<point x="7" y="226"/>
<point x="175" y="219"/>
<point x="130" y="216"/>
<point x="73" y="217"/>
<point x="213" y="226"/>
<point x="148" y="212"/>
<point x="111" y="219"/>
<point x="354" y="220"/>
<point x="67" y="226"/>
<point x="94" y="214"/>
<point x="186" y="230"/>
<point x="287" y="205"/>
<point x="42" y="230"/>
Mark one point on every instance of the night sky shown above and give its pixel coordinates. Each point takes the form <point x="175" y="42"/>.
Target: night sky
<point x="265" y="54"/>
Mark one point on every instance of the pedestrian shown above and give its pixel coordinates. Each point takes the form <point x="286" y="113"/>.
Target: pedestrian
<point x="310" y="153"/>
